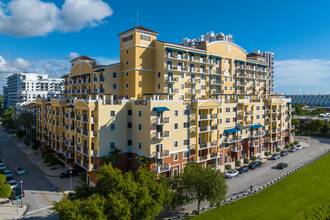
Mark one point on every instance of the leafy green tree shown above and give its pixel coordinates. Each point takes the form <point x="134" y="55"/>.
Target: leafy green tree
<point x="26" y="120"/>
<point x="246" y="160"/>
<point x="315" y="125"/>
<point x="113" y="156"/>
<point x="326" y="128"/>
<point x="228" y="166"/>
<point x="278" y="149"/>
<point x="287" y="146"/>
<point x="7" y="118"/>
<point x="198" y="183"/>
<point x="254" y="158"/>
<point x="5" y="189"/>
<point x="295" y="121"/>
<point x="266" y="153"/>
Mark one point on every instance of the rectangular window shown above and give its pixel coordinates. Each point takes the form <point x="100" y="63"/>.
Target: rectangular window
<point x="140" y="127"/>
<point x="129" y="124"/>
<point x="227" y="109"/>
<point x="176" y="126"/>
<point x="114" y="75"/>
<point x="176" y="157"/>
<point x="186" y="124"/>
<point x="145" y="37"/>
<point x="234" y="119"/>
<point x="129" y="112"/>
<point x="129" y="142"/>
<point x="112" y="145"/>
<point x="182" y="86"/>
<point x="158" y="85"/>
<point x="258" y="107"/>
<point x="176" y="113"/>
<point x="112" y="113"/>
<point x="112" y="126"/>
<point x="258" y="116"/>
<point x="140" y="114"/>
<point x="186" y="112"/>
<point x="227" y="120"/>
<point x="182" y="75"/>
<point x="140" y="146"/>
<point x="158" y="74"/>
<point x="114" y="86"/>
<point x="186" y="142"/>
<point x="176" y="143"/>
<point x="186" y="154"/>
<point x="126" y="85"/>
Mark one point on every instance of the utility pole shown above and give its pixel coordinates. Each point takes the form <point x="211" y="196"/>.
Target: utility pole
<point x="70" y="180"/>
<point x="21" y="193"/>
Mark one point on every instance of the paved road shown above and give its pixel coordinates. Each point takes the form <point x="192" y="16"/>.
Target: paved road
<point x="39" y="191"/>
<point x="268" y="172"/>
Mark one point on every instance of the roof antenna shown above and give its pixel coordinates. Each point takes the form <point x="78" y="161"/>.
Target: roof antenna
<point x="137" y="17"/>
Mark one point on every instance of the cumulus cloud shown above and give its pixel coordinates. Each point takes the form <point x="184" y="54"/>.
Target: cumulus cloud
<point x="17" y="65"/>
<point x="72" y="56"/>
<point x="302" y="76"/>
<point x="21" y="18"/>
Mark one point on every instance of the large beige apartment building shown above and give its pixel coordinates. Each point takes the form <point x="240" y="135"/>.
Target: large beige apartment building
<point x="205" y="101"/>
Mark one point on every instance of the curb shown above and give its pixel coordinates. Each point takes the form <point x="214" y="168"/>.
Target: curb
<point x="45" y="172"/>
<point x="63" y="191"/>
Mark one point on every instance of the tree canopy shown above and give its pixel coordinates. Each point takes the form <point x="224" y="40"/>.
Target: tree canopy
<point x="5" y="189"/>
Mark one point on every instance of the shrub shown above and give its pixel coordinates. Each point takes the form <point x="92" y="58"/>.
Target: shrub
<point x="278" y="149"/>
<point x="35" y="146"/>
<point x="53" y="161"/>
<point x="44" y="153"/>
<point x="83" y="177"/>
<point x="47" y="157"/>
<point x="246" y="160"/>
<point x="295" y="142"/>
<point x="292" y="145"/>
<point x="228" y="167"/>
<point x="254" y="158"/>
<point x="287" y="146"/>
<point x="20" y="133"/>
<point x="238" y="163"/>
<point x="266" y="153"/>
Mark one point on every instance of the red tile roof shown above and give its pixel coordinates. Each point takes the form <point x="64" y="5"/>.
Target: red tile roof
<point x="83" y="58"/>
<point x="139" y="28"/>
<point x="254" y="55"/>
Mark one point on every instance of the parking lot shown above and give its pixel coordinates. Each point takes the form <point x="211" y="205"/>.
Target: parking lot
<point x="268" y="171"/>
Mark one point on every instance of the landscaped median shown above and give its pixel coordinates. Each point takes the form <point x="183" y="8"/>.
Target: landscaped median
<point x="303" y="190"/>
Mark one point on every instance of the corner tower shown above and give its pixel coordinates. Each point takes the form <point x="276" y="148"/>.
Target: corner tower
<point x="137" y="52"/>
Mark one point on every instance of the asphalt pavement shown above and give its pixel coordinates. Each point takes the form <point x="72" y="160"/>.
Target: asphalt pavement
<point x="39" y="191"/>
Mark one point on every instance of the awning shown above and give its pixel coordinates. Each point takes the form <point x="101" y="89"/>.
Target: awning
<point x="215" y="57"/>
<point x="64" y="77"/>
<point x="183" y="51"/>
<point x="69" y="106"/>
<point x="290" y="103"/>
<point x="75" y="76"/>
<point x="86" y="74"/>
<point x="232" y="130"/>
<point x="160" y="109"/>
<point x="99" y="70"/>
<point x="256" y="126"/>
<point x="198" y="54"/>
<point x="240" y="61"/>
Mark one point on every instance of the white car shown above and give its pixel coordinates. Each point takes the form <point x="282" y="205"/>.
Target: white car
<point x="8" y="174"/>
<point x="299" y="147"/>
<point x="2" y="166"/>
<point x="231" y="174"/>
<point x="12" y="183"/>
<point x="20" y="170"/>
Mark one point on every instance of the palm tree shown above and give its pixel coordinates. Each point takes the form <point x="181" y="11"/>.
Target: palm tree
<point x="26" y="120"/>
<point x="113" y="156"/>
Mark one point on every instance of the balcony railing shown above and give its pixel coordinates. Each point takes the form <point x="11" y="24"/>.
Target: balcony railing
<point x="162" y="168"/>
<point x="160" y="121"/>
<point x="232" y="139"/>
<point x="161" y="135"/>
<point x="162" y="154"/>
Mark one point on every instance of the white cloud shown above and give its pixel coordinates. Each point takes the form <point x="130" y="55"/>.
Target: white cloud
<point x="17" y="65"/>
<point x="22" y="18"/>
<point x="72" y="55"/>
<point x="302" y="76"/>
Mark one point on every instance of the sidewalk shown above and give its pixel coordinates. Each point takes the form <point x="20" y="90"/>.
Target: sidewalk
<point x="51" y="172"/>
<point x="9" y="211"/>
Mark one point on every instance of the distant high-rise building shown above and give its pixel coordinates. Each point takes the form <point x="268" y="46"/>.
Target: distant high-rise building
<point x="313" y="100"/>
<point x="27" y="87"/>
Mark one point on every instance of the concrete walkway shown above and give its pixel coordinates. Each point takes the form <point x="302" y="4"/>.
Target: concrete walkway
<point x="11" y="211"/>
<point x="51" y="172"/>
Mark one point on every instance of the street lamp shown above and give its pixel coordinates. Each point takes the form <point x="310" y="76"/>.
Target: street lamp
<point x="70" y="180"/>
<point x="21" y="193"/>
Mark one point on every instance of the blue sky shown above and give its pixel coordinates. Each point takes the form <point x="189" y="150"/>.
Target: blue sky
<point x="42" y="36"/>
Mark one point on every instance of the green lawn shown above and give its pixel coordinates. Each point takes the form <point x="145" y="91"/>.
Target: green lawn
<point x="287" y="199"/>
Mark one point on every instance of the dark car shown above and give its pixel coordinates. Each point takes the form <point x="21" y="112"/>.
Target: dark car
<point x="66" y="174"/>
<point x="284" y="153"/>
<point x="16" y="193"/>
<point x="11" y="131"/>
<point x="255" y="164"/>
<point x="282" y="165"/>
<point x="243" y="169"/>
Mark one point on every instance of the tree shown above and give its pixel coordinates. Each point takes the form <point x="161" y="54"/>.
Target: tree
<point x="295" y="121"/>
<point x="228" y="166"/>
<point x="118" y="195"/>
<point x="26" y="120"/>
<point x="5" y="189"/>
<point x="315" y="125"/>
<point x="238" y="163"/>
<point x="113" y="156"/>
<point x="246" y="160"/>
<point x="7" y="118"/>
<point x="287" y="146"/>
<point x="198" y="183"/>
<point x="254" y="157"/>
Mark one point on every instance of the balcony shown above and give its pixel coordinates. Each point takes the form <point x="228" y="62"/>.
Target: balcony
<point x="78" y="130"/>
<point x="258" y="134"/>
<point x="214" y="127"/>
<point x="93" y="134"/>
<point x="78" y="148"/>
<point x="217" y="91"/>
<point x="94" y="120"/>
<point x="194" y="91"/>
<point x="175" y="68"/>
<point x="232" y="139"/>
<point x="292" y="109"/>
<point x="204" y="157"/>
<point x="203" y="117"/>
<point x="160" y="135"/>
<point x="78" y="118"/>
<point x="171" y="79"/>
<point x="203" y="146"/>
<point x="85" y="132"/>
<point x="193" y="117"/>
<point x="193" y="81"/>
<point x="85" y="119"/>
<point x="162" y="168"/>
<point x="214" y="143"/>
<point x="236" y="149"/>
<point x="171" y="91"/>
<point x="162" y="154"/>
<point x="240" y="84"/>
<point x="214" y="116"/>
<point x="216" y="82"/>
<point x="161" y="121"/>
<point x="248" y="112"/>
<point x="203" y="129"/>
<point x="252" y="144"/>
<point x="175" y="56"/>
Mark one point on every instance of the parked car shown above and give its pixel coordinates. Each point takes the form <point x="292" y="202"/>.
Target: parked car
<point x="2" y="166"/>
<point x="16" y="193"/>
<point x="282" y="165"/>
<point x="8" y="174"/>
<point x="12" y="183"/>
<point x="11" y="131"/>
<point x="255" y="164"/>
<point x="293" y="149"/>
<point x="66" y="174"/>
<point x="299" y="147"/>
<point x="243" y="169"/>
<point x="276" y="156"/>
<point x="231" y="174"/>
<point x="20" y="170"/>
<point x="284" y="153"/>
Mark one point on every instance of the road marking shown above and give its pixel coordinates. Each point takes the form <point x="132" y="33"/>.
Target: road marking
<point x="49" y="202"/>
<point x="28" y="213"/>
<point x="311" y="150"/>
